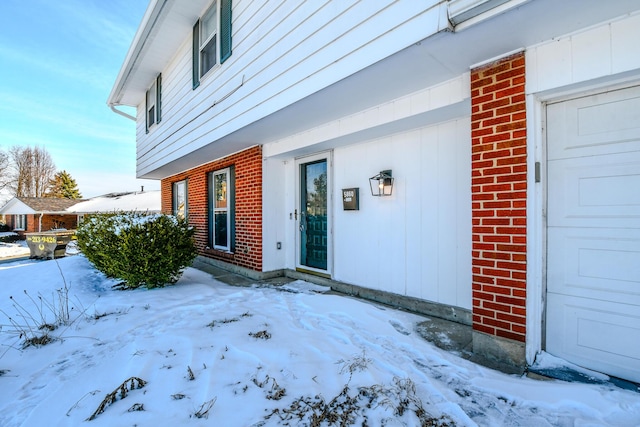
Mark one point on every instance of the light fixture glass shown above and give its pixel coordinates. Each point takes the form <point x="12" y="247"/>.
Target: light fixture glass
<point x="382" y="183"/>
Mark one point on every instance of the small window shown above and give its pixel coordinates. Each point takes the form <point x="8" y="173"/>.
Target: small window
<point x="221" y="196"/>
<point x="211" y="39"/>
<point x="20" y="222"/>
<point x="208" y="39"/>
<point x="180" y="208"/>
<point x="153" y="103"/>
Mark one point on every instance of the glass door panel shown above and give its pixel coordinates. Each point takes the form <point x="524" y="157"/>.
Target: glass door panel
<point x="313" y="224"/>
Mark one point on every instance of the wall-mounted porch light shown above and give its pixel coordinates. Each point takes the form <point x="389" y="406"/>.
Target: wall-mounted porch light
<point x="381" y="184"/>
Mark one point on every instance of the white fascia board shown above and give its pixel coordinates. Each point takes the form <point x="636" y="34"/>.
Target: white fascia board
<point x="133" y="54"/>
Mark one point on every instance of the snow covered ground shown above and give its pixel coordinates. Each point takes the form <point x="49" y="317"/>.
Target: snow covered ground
<point x="18" y="248"/>
<point x="211" y="354"/>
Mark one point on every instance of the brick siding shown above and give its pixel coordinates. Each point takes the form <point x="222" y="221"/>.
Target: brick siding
<point x="248" y="206"/>
<point x="70" y="222"/>
<point x="49" y="221"/>
<point x="499" y="191"/>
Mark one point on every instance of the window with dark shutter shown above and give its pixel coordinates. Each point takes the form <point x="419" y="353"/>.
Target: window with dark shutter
<point x="153" y="103"/>
<point x="211" y="39"/>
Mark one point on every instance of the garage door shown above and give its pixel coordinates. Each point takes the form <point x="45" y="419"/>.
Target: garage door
<point x="593" y="234"/>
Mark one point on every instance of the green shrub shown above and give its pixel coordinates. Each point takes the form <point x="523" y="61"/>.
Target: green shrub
<point x="142" y="249"/>
<point x="9" y="237"/>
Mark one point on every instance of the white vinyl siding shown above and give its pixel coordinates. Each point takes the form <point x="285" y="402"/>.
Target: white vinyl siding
<point x="422" y="232"/>
<point x="287" y="51"/>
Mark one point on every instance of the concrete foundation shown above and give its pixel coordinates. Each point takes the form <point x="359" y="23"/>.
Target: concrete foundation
<point x="499" y="349"/>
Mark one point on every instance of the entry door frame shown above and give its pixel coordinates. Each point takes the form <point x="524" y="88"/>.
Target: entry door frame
<point x="328" y="156"/>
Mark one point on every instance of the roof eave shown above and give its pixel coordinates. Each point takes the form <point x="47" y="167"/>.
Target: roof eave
<point x="133" y="55"/>
<point x="164" y="27"/>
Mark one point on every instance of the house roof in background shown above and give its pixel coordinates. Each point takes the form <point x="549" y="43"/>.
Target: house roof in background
<point x="134" y="201"/>
<point x="48" y="204"/>
<point x="32" y="205"/>
<point x="146" y="201"/>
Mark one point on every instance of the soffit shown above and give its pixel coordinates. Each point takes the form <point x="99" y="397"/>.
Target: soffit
<point x="165" y="26"/>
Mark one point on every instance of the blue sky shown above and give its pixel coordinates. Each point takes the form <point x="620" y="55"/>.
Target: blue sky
<point x="58" y="62"/>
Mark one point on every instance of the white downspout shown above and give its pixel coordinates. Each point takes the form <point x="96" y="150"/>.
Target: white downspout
<point x="40" y="222"/>
<point x="122" y="113"/>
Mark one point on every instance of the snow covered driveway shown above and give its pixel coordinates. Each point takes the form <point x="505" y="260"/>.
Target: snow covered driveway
<point x="212" y="354"/>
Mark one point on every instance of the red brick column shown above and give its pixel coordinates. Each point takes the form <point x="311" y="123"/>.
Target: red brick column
<point x="499" y="191"/>
<point x="248" y="203"/>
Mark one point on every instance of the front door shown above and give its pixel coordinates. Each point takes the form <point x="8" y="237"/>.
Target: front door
<point x="313" y="214"/>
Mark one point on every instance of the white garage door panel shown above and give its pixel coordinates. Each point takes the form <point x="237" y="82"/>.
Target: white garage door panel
<point x="595" y="190"/>
<point x="595" y="263"/>
<point x="600" y="124"/>
<point x="601" y="336"/>
<point x="593" y="232"/>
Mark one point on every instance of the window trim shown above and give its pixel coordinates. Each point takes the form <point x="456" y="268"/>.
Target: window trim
<point x="223" y="35"/>
<point x="230" y="209"/>
<point x="208" y="38"/>
<point x="174" y="197"/>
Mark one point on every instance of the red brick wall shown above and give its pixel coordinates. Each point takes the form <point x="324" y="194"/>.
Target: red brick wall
<point x="248" y="212"/>
<point x="32" y="223"/>
<point x="49" y="221"/>
<point x="499" y="190"/>
<point x="70" y="222"/>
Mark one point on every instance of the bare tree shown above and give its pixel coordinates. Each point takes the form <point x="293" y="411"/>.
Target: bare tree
<point x="5" y="170"/>
<point x="33" y="168"/>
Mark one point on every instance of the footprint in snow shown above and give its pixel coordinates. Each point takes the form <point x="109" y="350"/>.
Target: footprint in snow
<point x="399" y="327"/>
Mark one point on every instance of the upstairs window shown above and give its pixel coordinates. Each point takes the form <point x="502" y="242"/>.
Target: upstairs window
<point x="208" y="40"/>
<point x="211" y="39"/>
<point x="153" y="103"/>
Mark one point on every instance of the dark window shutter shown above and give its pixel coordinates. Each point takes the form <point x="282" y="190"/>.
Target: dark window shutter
<point x="186" y="198"/>
<point x="146" y="112"/>
<point x="225" y="30"/>
<point x="159" y="98"/>
<point x="195" y="72"/>
<point x="210" y="197"/>
<point x="232" y="208"/>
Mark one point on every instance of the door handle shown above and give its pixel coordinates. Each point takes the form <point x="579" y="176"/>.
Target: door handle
<point x="303" y="222"/>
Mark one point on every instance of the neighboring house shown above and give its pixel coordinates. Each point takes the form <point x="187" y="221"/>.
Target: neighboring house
<point x="510" y="127"/>
<point x="33" y="214"/>
<point x="143" y="201"/>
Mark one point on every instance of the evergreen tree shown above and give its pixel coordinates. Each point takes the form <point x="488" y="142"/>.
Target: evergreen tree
<point x="63" y="186"/>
